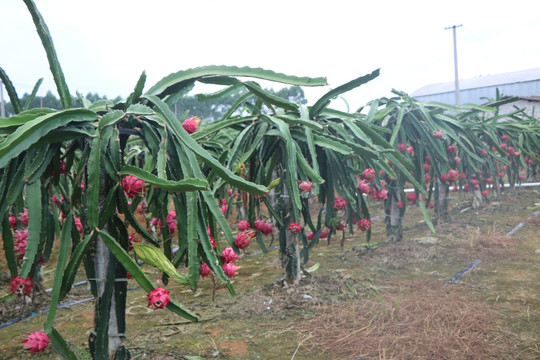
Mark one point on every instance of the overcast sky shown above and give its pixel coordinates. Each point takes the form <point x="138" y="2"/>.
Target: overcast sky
<point x="104" y="45"/>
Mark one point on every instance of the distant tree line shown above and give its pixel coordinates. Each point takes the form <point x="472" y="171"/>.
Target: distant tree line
<point x="208" y="111"/>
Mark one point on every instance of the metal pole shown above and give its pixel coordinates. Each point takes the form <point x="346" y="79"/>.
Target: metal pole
<point x="2" y="108"/>
<point x="456" y="77"/>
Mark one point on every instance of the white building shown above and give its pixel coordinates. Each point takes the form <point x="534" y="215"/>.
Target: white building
<point x="525" y="84"/>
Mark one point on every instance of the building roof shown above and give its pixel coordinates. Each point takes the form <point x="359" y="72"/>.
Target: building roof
<point x="480" y="81"/>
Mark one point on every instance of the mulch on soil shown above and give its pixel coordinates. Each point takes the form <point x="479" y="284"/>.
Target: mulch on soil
<point x="418" y="319"/>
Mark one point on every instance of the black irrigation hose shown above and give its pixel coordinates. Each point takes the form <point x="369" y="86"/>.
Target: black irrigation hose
<point x="464" y="272"/>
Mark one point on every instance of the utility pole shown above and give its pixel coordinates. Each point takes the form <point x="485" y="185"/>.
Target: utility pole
<point x="2" y="108"/>
<point x="453" y="27"/>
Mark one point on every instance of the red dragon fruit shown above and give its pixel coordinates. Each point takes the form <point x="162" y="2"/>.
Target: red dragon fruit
<point x="268" y="228"/>
<point x="191" y="124"/>
<point x="259" y="225"/>
<point x="158" y="298"/>
<point x="340" y="203"/>
<point x="306" y="186"/>
<point x="36" y="342"/>
<point x="363" y="187"/>
<point x="228" y="255"/>
<point x="364" y="224"/>
<point x="24" y="217"/>
<point x="368" y="174"/>
<point x="294" y="228"/>
<point x="242" y="225"/>
<point x="244" y="238"/>
<point x="21" y="287"/>
<point x="132" y="186"/>
<point x="230" y="269"/>
<point x="205" y="270"/>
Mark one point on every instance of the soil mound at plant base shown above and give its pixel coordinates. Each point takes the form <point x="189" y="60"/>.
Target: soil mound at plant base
<point x="419" y="319"/>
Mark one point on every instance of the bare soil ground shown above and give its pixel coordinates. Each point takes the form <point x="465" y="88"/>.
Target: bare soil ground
<point x="389" y="301"/>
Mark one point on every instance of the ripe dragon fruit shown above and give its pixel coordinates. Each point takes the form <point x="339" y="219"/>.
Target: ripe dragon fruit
<point x="259" y="225"/>
<point x="294" y="228"/>
<point x="368" y="174"/>
<point x="268" y="228"/>
<point x="21" y="287"/>
<point x="340" y="203"/>
<point x="205" y="270"/>
<point x="437" y="134"/>
<point x="310" y="235"/>
<point x="243" y="239"/>
<point x="228" y="255"/>
<point x="242" y="225"/>
<point x="306" y="186"/>
<point x="158" y="298"/>
<point x="363" y="187"/>
<point x="191" y="124"/>
<point x="171" y="221"/>
<point x="132" y="186"/>
<point x="364" y="224"/>
<point x="24" y="217"/>
<point x="230" y="269"/>
<point x="36" y="342"/>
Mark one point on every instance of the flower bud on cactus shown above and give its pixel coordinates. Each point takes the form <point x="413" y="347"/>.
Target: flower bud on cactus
<point x="191" y="124"/>
<point x="228" y="255"/>
<point x="36" y="342"/>
<point x="158" y="298"/>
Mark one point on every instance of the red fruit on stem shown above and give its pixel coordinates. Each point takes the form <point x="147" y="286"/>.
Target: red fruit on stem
<point x="244" y="238"/>
<point x="228" y="255"/>
<point x="363" y="187"/>
<point x="340" y="203"/>
<point x="205" y="270"/>
<point x="24" y="217"/>
<point x="132" y="185"/>
<point x="191" y="124"/>
<point x="158" y="298"/>
<point x="364" y="224"/>
<point x="230" y="269"/>
<point x="242" y="225"/>
<point x="36" y="342"/>
<point x="437" y="134"/>
<point x="306" y="186"/>
<point x="268" y="228"/>
<point x="294" y="228"/>
<point x="368" y="174"/>
<point x="21" y="287"/>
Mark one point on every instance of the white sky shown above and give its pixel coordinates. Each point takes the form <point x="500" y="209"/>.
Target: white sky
<point x="104" y="45"/>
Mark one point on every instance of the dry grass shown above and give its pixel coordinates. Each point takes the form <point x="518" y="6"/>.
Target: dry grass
<point x="418" y="319"/>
